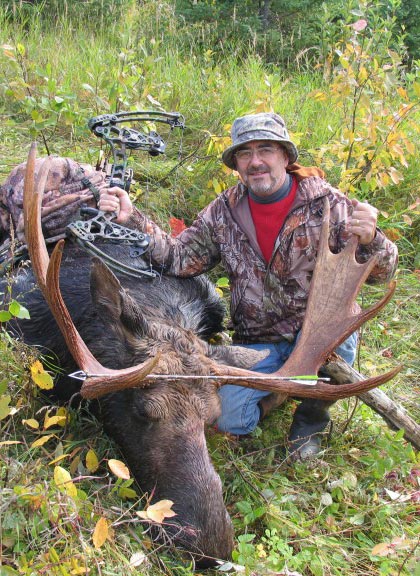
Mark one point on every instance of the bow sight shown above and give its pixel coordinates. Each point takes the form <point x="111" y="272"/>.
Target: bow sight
<point x="121" y="138"/>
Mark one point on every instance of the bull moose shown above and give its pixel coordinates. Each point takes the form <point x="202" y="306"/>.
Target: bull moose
<point x="142" y="345"/>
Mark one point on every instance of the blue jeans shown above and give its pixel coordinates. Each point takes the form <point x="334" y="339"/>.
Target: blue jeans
<point x="240" y="410"/>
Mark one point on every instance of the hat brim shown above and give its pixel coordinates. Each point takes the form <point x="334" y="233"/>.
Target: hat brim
<point x="229" y="153"/>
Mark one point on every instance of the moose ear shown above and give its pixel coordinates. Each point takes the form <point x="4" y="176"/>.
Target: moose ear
<point x="237" y="355"/>
<point x="112" y="302"/>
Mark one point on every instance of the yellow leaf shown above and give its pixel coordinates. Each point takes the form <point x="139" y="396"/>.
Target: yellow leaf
<point x="393" y="234"/>
<point x="41" y="378"/>
<point x="363" y="73"/>
<point x="62" y="412"/>
<point x="42" y="440"/>
<point x="80" y="570"/>
<point x="119" y="469"/>
<point x="261" y="107"/>
<point x="9" y="442"/>
<point x="416" y="88"/>
<point x="92" y="463"/>
<point x="53" y="420"/>
<point x="32" y="423"/>
<point x="320" y="96"/>
<point x="382" y="549"/>
<point x="158" y="512"/>
<point x="396" y="176"/>
<point x="77" y="568"/>
<point x="58" y="459"/>
<point x="64" y="482"/>
<point x="101" y="532"/>
<point x="217" y="186"/>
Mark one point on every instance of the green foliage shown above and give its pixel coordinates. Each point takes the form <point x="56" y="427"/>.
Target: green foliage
<point x="296" y="32"/>
<point x="374" y="109"/>
<point x="13" y="310"/>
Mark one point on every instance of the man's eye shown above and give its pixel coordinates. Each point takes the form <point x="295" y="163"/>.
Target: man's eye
<point x="243" y="154"/>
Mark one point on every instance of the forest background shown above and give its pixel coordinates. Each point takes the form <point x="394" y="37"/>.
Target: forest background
<point x="345" y="75"/>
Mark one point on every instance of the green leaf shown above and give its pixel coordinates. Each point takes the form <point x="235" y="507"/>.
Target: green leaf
<point x="63" y="481"/>
<point x="246" y="537"/>
<point x="357" y="519"/>
<point x="18" y="310"/>
<point x="5" y="316"/>
<point x="21" y="49"/>
<point x="7" y="571"/>
<point x="222" y="282"/>
<point x="127" y="493"/>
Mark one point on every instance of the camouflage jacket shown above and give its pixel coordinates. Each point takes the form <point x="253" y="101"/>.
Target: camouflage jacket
<point x="268" y="301"/>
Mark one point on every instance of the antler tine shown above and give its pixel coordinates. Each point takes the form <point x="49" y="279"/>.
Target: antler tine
<point x="321" y="390"/>
<point x="47" y="273"/>
<point x="31" y="210"/>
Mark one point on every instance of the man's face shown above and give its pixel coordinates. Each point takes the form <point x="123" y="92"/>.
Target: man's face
<point x="262" y="166"/>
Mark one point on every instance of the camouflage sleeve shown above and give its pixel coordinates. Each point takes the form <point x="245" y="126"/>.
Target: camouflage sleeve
<point x="387" y="254"/>
<point x="385" y="250"/>
<point x="191" y="253"/>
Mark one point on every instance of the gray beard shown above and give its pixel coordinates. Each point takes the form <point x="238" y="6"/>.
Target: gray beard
<point x="263" y="189"/>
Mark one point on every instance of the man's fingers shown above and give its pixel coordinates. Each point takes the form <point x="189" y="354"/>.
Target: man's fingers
<point x="363" y="221"/>
<point x="116" y="200"/>
<point x="126" y="208"/>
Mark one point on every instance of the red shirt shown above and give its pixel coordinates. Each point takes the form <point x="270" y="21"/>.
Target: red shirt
<point x="269" y="218"/>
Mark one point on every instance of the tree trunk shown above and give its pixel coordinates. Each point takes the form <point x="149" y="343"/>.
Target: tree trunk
<point x="394" y="415"/>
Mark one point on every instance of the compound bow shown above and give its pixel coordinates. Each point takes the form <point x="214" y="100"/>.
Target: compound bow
<point x="97" y="224"/>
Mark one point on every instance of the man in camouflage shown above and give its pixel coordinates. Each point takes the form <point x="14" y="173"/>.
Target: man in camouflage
<point x="265" y="231"/>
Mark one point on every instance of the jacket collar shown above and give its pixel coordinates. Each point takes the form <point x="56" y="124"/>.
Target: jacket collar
<point x="309" y="189"/>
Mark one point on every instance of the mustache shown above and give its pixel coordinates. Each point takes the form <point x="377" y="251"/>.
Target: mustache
<point x="263" y="169"/>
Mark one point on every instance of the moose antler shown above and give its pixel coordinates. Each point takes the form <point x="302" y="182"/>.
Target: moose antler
<point x="330" y="318"/>
<point x="47" y="273"/>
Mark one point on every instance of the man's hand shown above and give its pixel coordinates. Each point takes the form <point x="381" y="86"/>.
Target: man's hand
<point x="363" y="221"/>
<point x="116" y="200"/>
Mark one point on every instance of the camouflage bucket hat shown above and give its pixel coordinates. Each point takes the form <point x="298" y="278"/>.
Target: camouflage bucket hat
<point x="263" y="126"/>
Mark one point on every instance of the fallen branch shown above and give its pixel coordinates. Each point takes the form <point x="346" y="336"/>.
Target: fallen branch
<point x="394" y="414"/>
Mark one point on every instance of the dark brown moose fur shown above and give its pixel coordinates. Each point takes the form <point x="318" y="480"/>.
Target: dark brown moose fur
<point x="160" y="429"/>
